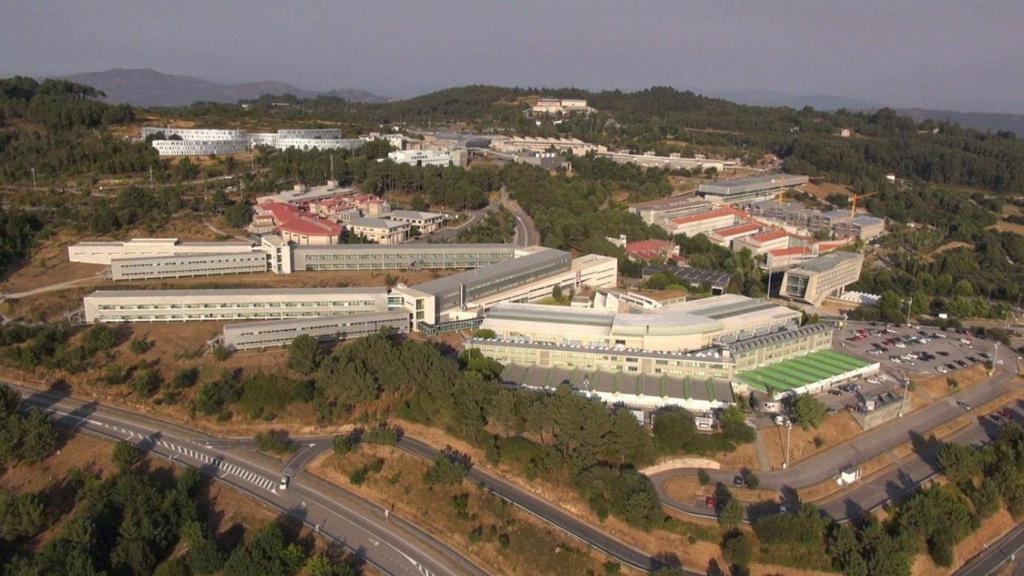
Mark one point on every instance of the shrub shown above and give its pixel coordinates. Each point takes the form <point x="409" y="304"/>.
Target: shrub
<point x="275" y="441"/>
<point x="126" y="456"/>
<point x="344" y="444"/>
<point x="146" y="382"/>
<point x="140" y="346"/>
<point x="185" y="378"/>
<point x="702" y="477"/>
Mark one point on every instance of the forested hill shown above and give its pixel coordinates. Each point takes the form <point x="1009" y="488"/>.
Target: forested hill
<point x="665" y="120"/>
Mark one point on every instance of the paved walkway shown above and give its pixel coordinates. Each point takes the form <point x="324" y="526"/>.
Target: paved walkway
<point x="763" y="462"/>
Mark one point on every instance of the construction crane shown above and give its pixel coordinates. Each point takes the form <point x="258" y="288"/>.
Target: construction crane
<point x="853" y="202"/>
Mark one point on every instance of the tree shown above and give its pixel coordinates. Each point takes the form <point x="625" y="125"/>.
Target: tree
<point x="732" y="514"/>
<point x="449" y="468"/>
<point x="808" y="411"/>
<point x="304" y="354"/>
<point x="126" y="456"/>
<point x="321" y="565"/>
<point x="238" y="215"/>
<point x="959" y="462"/>
<point x="737" y="548"/>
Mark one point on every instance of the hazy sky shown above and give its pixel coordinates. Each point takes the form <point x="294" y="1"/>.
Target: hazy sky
<point x="954" y="54"/>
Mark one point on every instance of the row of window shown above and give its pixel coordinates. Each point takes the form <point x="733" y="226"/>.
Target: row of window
<point x="240" y="305"/>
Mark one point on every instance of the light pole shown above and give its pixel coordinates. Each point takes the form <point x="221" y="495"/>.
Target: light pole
<point x="906" y="390"/>
<point x="34" y="177"/>
<point x="789" y="430"/>
<point x="910" y="305"/>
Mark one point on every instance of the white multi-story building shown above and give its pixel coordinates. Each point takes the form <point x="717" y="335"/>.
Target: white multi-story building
<point x="425" y="157"/>
<point x="194" y="133"/>
<point x="186" y="265"/>
<point x="426" y="222"/>
<point x="199" y="147"/>
<point x="532" y="144"/>
<point x="234" y="304"/>
<point x="380" y="230"/>
<point x="206" y="141"/>
<point x="560" y="106"/>
<point x="105" y="252"/>
<point x="270" y="333"/>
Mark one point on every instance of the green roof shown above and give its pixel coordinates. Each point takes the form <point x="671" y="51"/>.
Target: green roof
<point x="801" y="371"/>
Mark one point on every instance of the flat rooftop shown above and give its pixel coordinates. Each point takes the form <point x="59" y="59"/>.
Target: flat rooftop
<point x="220" y="292"/>
<point x="827" y="262"/>
<point x="403" y="248"/>
<point x="801" y="371"/>
<point x="494" y="272"/>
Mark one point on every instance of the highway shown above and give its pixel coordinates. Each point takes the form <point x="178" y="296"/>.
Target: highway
<point x="523" y="499"/>
<point x="996" y="555"/>
<point x="389" y="543"/>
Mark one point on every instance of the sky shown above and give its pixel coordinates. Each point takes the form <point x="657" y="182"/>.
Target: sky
<point x="949" y="54"/>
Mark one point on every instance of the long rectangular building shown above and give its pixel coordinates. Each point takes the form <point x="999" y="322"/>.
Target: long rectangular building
<point x="186" y="265"/>
<point x="233" y="304"/>
<point x="105" y="252"/>
<point x="525" y="279"/>
<point x="397" y="257"/>
<point x="749" y="189"/>
<point x="271" y="333"/>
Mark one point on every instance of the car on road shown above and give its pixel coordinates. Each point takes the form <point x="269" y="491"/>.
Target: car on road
<point x="739" y="482"/>
<point x="963" y="405"/>
<point x="283" y="484"/>
<point x="711" y="502"/>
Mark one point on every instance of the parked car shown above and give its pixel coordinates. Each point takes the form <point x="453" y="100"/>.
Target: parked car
<point x="711" y="502"/>
<point x="739" y="482"/>
<point x="963" y="405"/>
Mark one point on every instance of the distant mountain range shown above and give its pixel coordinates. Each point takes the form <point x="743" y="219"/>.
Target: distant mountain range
<point x="145" y="87"/>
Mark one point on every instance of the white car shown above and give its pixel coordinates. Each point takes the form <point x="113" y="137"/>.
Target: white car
<point x="283" y="485"/>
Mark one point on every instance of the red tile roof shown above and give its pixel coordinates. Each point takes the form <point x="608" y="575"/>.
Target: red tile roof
<point x="290" y="219"/>
<point x="769" y="235"/>
<point x="648" y="249"/>
<point x="779" y="252"/>
<point x="737" y="229"/>
<point x="310" y="226"/>
<point x="718" y="213"/>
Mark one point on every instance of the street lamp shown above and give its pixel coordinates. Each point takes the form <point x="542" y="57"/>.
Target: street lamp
<point x="789" y="430"/>
<point x="910" y="305"/>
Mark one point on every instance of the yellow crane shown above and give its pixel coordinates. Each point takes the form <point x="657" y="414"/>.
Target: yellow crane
<point x="853" y="202"/>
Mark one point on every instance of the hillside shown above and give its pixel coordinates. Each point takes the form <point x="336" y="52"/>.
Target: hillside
<point x="977" y="120"/>
<point x="145" y="87"/>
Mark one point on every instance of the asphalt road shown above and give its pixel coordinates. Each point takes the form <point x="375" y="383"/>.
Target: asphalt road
<point x="913" y="427"/>
<point x="526" y="234"/>
<point x="996" y="555"/>
<point x="550" y="513"/>
<point x="386" y="541"/>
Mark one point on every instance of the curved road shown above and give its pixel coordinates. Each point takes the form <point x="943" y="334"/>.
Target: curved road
<point x="386" y="541"/>
<point x="872" y="492"/>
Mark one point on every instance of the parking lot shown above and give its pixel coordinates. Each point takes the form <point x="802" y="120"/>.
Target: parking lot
<point x="913" y="350"/>
<point x="902" y="353"/>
